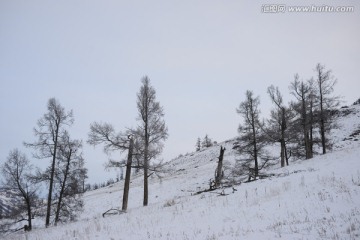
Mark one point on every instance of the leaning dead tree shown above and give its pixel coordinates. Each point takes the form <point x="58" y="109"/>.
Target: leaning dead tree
<point x="128" y="173"/>
<point x="219" y="173"/>
<point x="104" y="133"/>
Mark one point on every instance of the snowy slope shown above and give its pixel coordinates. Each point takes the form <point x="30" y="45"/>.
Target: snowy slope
<point x="313" y="199"/>
<point x="7" y="200"/>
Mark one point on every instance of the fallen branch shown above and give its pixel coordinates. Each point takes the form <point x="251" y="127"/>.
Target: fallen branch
<point x="113" y="211"/>
<point x="206" y="190"/>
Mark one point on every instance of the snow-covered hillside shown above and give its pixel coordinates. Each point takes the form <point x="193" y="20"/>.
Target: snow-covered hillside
<point x="313" y="199"/>
<point x="7" y="199"/>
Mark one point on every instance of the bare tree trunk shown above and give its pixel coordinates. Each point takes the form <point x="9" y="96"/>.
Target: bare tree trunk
<point x="282" y="140"/>
<point x="311" y="128"/>
<point x="323" y="140"/>
<point x="219" y="173"/>
<point x="255" y="152"/>
<point x="48" y="209"/>
<point x="322" y="122"/>
<point x="146" y="189"/>
<point x="28" y="205"/>
<point x="286" y="156"/>
<point x="282" y="153"/>
<point x="127" y="175"/>
<point x="307" y="143"/>
<point x="305" y="124"/>
<point x="146" y="166"/>
<point x="57" y="214"/>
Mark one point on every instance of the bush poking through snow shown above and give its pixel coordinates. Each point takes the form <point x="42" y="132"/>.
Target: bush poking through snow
<point x="170" y="203"/>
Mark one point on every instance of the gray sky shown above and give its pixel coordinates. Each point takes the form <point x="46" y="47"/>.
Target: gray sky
<point x="201" y="57"/>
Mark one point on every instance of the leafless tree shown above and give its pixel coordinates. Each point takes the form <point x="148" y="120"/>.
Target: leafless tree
<point x="151" y="130"/>
<point x="325" y="86"/>
<point x="303" y="92"/>
<point x="104" y="133"/>
<point x="278" y="129"/>
<point x="251" y="140"/>
<point x="69" y="179"/>
<point x="49" y="129"/>
<point x="17" y="177"/>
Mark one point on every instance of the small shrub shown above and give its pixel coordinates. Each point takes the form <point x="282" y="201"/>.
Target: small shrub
<point x="170" y="203"/>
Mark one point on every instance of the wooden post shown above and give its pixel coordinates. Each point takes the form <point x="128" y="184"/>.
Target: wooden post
<point x="128" y="173"/>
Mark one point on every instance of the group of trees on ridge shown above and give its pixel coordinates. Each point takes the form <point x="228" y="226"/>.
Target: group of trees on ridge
<point x="297" y="127"/>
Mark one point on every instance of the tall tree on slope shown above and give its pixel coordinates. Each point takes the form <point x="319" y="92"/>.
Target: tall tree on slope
<point x="302" y="91"/>
<point x="152" y="129"/>
<point x="104" y="133"/>
<point x="70" y="178"/>
<point x="251" y="140"/>
<point x="49" y="131"/>
<point x="280" y="117"/>
<point x="325" y="87"/>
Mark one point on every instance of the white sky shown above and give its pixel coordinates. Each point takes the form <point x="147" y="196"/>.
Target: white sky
<point x="201" y="57"/>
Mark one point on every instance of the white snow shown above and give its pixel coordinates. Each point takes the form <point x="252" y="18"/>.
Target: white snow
<point x="310" y="199"/>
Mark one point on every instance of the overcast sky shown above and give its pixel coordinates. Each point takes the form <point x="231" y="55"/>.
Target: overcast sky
<point x="201" y="57"/>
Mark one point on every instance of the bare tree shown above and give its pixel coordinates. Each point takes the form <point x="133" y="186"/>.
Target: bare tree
<point x="312" y="113"/>
<point x="151" y="130"/>
<point x="49" y="129"/>
<point x="302" y="91"/>
<point x="70" y="179"/>
<point x="104" y="133"/>
<point x="280" y="117"/>
<point x="17" y="175"/>
<point x="251" y="140"/>
<point x="325" y="86"/>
